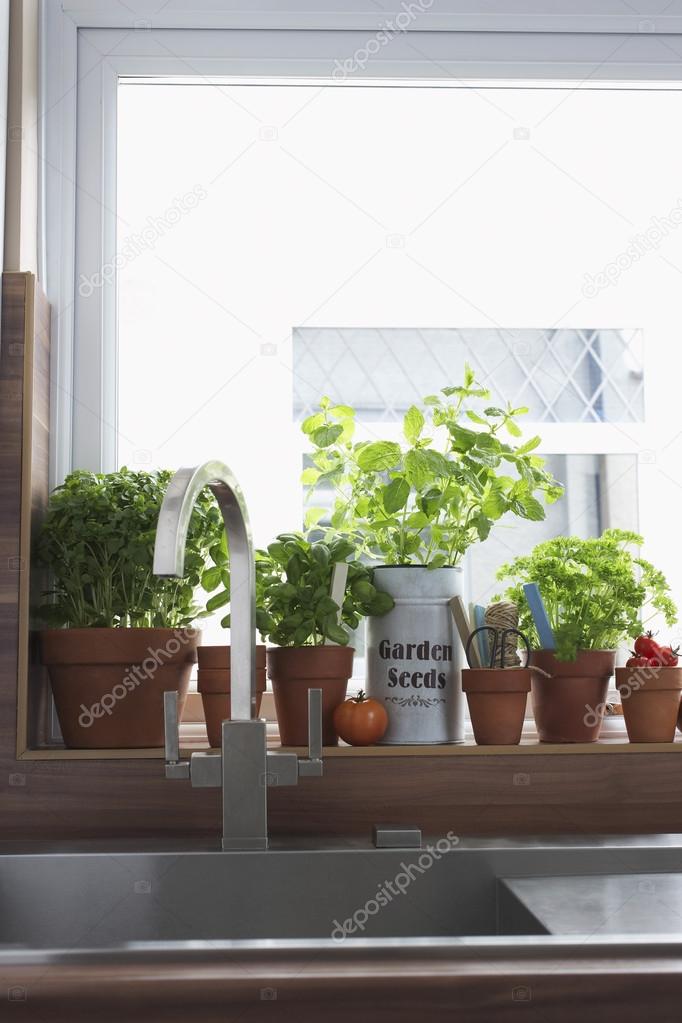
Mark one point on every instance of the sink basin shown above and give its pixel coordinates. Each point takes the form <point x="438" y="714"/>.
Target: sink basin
<point x="171" y="932"/>
<point x="91" y="898"/>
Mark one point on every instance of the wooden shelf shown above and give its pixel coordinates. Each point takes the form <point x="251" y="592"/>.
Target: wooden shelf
<point x="613" y="740"/>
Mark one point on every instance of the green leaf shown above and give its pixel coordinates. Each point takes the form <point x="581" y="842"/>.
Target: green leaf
<point x="310" y="476"/>
<point x="218" y="600"/>
<point x="417" y="468"/>
<point x="462" y="439"/>
<point x="211" y="578"/>
<point x="475" y="418"/>
<point x="413" y="424"/>
<point x="218" y="554"/>
<point x="529" y="445"/>
<point x="324" y="436"/>
<point x="363" y="590"/>
<point x="312" y="423"/>
<point x="379" y="456"/>
<point x="320" y="554"/>
<point x="395" y="495"/>
<point x="342" y="411"/>
<point x="493" y="504"/>
<point x="417" y="520"/>
<point x="336" y="633"/>
<point x="381" y="603"/>
<point x="532" y="509"/>
<point x="313" y="516"/>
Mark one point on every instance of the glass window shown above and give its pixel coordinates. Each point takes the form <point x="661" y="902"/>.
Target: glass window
<point x="278" y="241"/>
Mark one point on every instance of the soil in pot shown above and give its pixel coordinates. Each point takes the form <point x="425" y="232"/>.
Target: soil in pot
<point x="651" y="702"/>
<point x="214" y="684"/>
<point x="497" y="703"/>
<point x="569" y="706"/>
<point x="108" y="684"/>
<point x="295" y="670"/>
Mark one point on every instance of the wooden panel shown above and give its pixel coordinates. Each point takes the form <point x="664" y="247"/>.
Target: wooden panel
<point x="553" y="985"/>
<point x="527" y="790"/>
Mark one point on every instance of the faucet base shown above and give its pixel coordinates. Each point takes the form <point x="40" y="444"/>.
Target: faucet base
<point x="244" y="844"/>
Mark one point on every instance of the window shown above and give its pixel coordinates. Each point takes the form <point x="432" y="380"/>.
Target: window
<point x="253" y="231"/>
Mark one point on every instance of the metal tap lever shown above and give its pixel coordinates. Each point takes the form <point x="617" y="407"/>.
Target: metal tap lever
<point x="312" y="766"/>
<point x="204" y="769"/>
<point x="175" y="767"/>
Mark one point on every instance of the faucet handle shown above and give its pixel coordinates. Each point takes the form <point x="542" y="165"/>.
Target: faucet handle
<point x="312" y="764"/>
<point x="175" y="767"/>
<point x="314" y="724"/>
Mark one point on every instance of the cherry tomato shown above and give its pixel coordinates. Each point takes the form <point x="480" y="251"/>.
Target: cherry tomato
<point x="646" y="646"/>
<point x="637" y="662"/>
<point x="669" y="656"/>
<point x="359" y="721"/>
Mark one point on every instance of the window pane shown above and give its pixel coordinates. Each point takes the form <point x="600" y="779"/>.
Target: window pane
<point x="280" y="241"/>
<point x="566" y="376"/>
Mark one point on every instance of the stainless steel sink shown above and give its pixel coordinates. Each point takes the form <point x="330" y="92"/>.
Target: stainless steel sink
<point x="95" y="898"/>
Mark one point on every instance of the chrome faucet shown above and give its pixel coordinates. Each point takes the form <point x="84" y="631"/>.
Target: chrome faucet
<point x="244" y="767"/>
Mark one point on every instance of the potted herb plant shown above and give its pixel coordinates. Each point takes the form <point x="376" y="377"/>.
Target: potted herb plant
<point x="595" y="593"/>
<point x="310" y="628"/>
<point x="417" y="507"/>
<point x="117" y="635"/>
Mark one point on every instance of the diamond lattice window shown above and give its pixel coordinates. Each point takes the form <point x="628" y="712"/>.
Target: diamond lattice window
<point x="565" y="375"/>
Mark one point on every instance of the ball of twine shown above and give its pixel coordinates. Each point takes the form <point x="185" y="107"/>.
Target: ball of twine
<point x="500" y="616"/>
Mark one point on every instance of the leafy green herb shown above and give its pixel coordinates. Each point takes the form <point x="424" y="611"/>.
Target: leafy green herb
<point x="293" y="581"/>
<point x="596" y="592"/>
<point x="429" y="501"/>
<point x="98" y="543"/>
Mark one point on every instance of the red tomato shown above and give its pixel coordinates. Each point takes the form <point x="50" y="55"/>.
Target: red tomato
<point x="359" y="721"/>
<point x="669" y="656"/>
<point x="637" y="662"/>
<point x="646" y="646"/>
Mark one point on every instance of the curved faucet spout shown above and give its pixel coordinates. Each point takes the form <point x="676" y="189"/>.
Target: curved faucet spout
<point x="169" y="560"/>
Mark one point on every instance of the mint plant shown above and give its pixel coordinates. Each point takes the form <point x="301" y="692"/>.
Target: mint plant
<point x="597" y="592"/>
<point x="294" y="605"/>
<point x="97" y="542"/>
<point x="428" y="500"/>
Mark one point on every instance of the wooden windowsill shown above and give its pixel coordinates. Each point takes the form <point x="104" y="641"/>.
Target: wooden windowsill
<point x="193" y="739"/>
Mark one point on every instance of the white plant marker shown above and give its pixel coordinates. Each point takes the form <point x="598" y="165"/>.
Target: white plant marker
<point x="337" y="591"/>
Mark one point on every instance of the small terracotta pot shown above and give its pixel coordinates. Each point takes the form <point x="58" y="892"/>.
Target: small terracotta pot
<point x="214" y="683"/>
<point x="651" y="702"/>
<point x="108" y="684"/>
<point x="295" y="670"/>
<point x="569" y="706"/>
<point x="497" y="703"/>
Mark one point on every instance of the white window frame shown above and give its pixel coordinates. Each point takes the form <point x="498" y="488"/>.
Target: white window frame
<point x="89" y="44"/>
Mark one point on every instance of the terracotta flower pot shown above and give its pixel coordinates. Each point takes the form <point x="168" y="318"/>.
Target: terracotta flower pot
<point x="497" y="703"/>
<point x="214" y="682"/>
<point x="651" y="702"/>
<point x="295" y="670"/>
<point x="569" y="706"/>
<point x="108" y="684"/>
